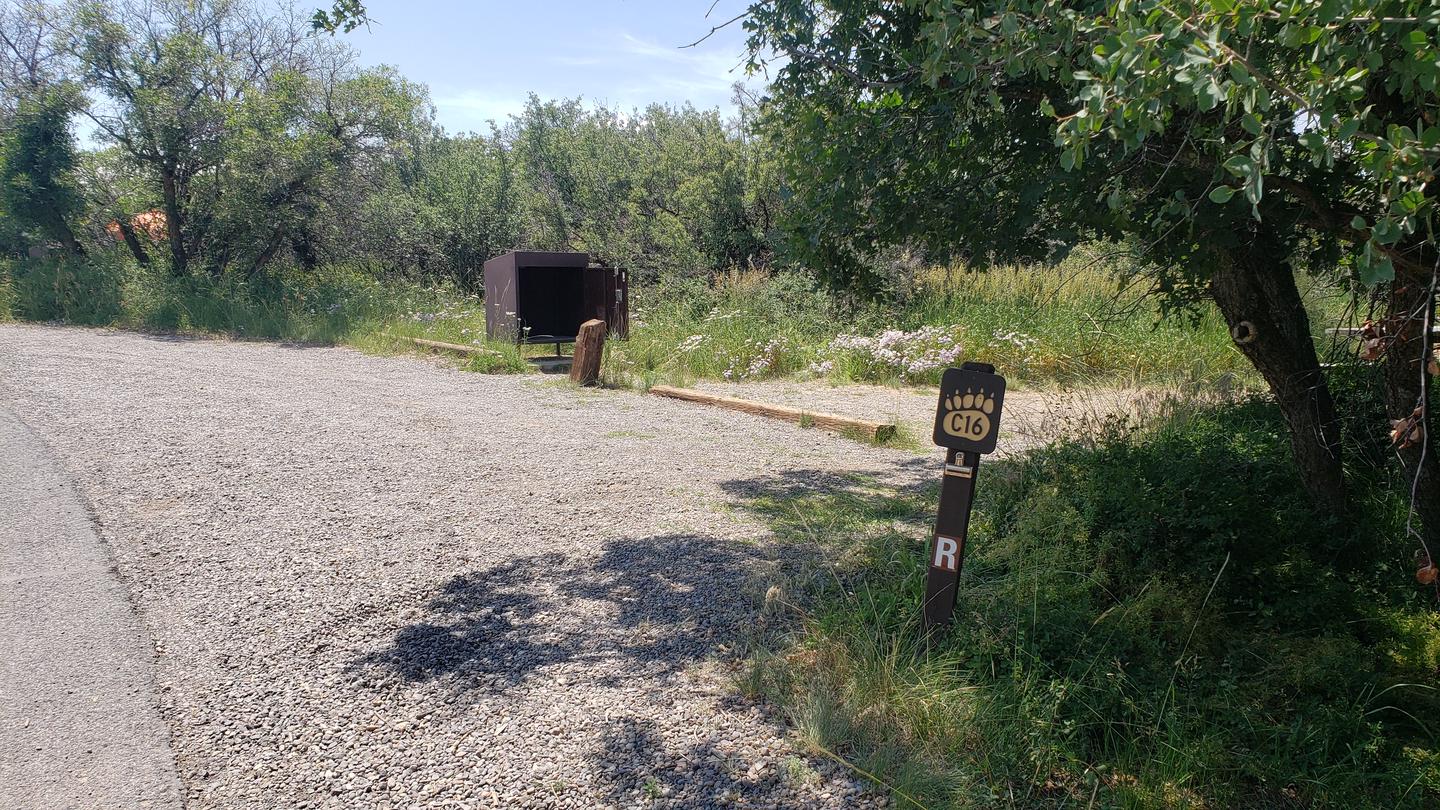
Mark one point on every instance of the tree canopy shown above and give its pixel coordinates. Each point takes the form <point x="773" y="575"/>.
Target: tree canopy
<point x="1329" y="106"/>
<point x="1229" y="145"/>
<point x="245" y="143"/>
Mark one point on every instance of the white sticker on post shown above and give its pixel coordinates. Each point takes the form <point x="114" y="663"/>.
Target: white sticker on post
<point x="947" y="553"/>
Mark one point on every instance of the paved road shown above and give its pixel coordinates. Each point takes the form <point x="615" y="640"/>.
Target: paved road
<point x="382" y="582"/>
<point x="79" y="719"/>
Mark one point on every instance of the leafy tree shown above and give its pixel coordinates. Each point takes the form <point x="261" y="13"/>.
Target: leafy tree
<point x="37" y="163"/>
<point x="303" y="157"/>
<point x="170" y="72"/>
<point x="665" y="187"/>
<point x="261" y="144"/>
<point x="116" y="193"/>
<point x="37" y="152"/>
<point x="1233" y="143"/>
<point x="466" y="195"/>
<point x="30" y="60"/>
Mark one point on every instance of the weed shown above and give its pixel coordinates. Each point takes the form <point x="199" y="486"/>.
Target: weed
<point x="1150" y="618"/>
<point x="799" y="771"/>
<point x="1076" y="323"/>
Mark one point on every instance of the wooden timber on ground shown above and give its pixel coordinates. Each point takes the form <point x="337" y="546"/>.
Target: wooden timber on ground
<point x="547" y="365"/>
<point x="874" y="431"/>
<point x="1348" y="331"/>
<point x="589" y="349"/>
<point x="448" y="347"/>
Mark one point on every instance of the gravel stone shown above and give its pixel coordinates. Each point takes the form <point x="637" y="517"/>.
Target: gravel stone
<point x="381" y="582"/>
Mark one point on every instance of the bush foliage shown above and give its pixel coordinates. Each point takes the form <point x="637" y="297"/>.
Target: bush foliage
<point x="1156" y="618"/>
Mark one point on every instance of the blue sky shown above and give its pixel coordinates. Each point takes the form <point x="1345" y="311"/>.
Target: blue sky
<point x="480" y="59"/>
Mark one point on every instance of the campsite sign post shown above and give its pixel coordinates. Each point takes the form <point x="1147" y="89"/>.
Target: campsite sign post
<point x="967" y="423"/>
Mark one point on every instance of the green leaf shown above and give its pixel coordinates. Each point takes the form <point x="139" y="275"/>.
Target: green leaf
<point x="1376" y="269"/>
<point x="1240" y="165"/>
<point x="1221" y="194"/>
<point x="1385" y="232"/>
<point x="1254" y="188"/>
<point x="1208" y="94"/>
<point x="1411" y="201"/>
<point x="1251" y="124"/>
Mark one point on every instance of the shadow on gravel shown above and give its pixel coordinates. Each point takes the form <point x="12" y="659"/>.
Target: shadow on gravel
<point x="917" y="474"/>
<point x="659" y="603"/>
<point x="637" y="769"/>
<point x="641" y="608"/>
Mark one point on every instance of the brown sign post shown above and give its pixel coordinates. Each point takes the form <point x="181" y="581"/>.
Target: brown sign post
<point x="967" y="424"/>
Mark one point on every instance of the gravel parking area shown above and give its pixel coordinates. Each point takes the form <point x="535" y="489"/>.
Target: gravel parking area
<point x="381" y="582"/>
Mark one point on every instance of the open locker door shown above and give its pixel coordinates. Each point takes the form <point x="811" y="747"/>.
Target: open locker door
<point x="617" y="303"/>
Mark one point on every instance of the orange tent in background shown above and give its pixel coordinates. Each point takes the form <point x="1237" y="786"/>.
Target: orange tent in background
<point x="150" y="224"/>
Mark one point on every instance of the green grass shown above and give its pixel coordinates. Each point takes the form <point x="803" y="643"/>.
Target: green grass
<point x="1078" y="323"/>
<point x="359" y="306"/>
<point x="1153" y="619"/>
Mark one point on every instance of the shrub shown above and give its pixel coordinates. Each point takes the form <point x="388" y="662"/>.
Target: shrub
<point x="917" y="356"/>
<point x="84" y="291"/>
<point x="740" y="325"/>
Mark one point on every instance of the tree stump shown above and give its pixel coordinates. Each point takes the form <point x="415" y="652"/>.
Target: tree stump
<point x="589" y="348"/>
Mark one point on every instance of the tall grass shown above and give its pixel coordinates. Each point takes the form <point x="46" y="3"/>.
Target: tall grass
<point x="1152" y="619"/>
<point x="351" y="304"/>
<point x="743" y="324"/>
<point x="1080" y="322"/>
<point x="1076" y="323"/>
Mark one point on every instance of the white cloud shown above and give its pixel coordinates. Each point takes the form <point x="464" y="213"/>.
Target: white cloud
<point x="666" y="72"/>
<point x="472" y="109"/>
<point x="619" y="70"/>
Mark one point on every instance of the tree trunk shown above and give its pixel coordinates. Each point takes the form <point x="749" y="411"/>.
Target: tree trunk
<point x="1256" y="292"/>
<point x="67" y="237"/>
<point x="271" y="245"/>
<point x="179" y="260"/>
<point x="1404" y="360"/>
<point x="122" y="221"/>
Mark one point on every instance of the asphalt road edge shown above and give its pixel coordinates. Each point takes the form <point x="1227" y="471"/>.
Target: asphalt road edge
<point x="80" y="724"/>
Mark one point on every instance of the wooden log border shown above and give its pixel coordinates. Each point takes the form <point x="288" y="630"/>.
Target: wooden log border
<point x="1350" y="331"/>
<point x="873" y="431"/>
<point x="447" y="347"/>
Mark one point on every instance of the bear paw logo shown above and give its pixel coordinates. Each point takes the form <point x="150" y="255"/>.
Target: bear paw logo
<point x="967" y="416"/>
